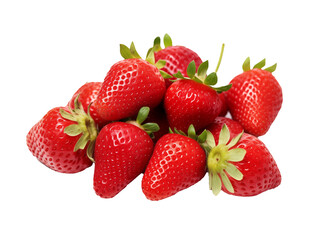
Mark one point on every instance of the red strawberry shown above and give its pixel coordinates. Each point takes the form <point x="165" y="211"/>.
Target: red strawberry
<point x="193" y="101"/>
<point x="177" y="163"/>
<point x="129" y="85"/>
<point x="177" y="57"/>
<point x="255" y="98"/>
<point x="188" y="102"/>
<point x="242" y="166"/>
<point x="59" y="140"/>
<point x="122" y="151"/>
<point x="234" y="127"/>
<point x="86" y="95"/>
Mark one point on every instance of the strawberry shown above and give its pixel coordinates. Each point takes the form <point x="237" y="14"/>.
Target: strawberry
<point x="177" y="57"/>
<point x="63" y="139"/>
<point x="234" y="127"/>
<point x="193" y="100"/>
<point x="177" y="163"/>
<point x="87" y="94"/>
<point x="122" y="151"/>
<point x="129" y="85"/>
<point x="255" y="98"/>
<point x="242" y="166"/>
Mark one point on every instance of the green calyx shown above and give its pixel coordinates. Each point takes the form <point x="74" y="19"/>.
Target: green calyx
<point x="157" y="43"/>
<point x="201" y="75"/>
<point x="191" y="133"/>
<point x="131" y="52"/>
<point x="220" y="160"/>
<point x="84" y="125"/>
<point x="142" y="115"/>
<point x="259" y="65"/>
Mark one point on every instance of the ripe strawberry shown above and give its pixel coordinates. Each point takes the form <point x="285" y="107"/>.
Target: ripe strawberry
<point x="63" y="139"/>
<point x="234" y="127"/>
<point x="129" y="85"/>
<point x="177" y="57"/>
<point x="86" y="95"/>
<point x="122" y="151"/>
<point x="177" y="163"/>
<point x="255" y="98"/>
<point x="242" y="166"/>
<point x="193" y="101"/>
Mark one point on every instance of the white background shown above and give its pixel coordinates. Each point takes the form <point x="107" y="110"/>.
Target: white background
<point x="50" y="48"/>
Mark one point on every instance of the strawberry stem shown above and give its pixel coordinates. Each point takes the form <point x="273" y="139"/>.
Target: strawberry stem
<point x="220" y="57"/>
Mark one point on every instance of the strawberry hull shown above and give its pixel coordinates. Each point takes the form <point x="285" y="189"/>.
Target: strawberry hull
<point x="259" y="168"/>
<point x="52" y="147"/>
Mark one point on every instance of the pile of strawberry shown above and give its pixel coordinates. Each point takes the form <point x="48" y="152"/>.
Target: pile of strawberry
<point x="164" y="117"/>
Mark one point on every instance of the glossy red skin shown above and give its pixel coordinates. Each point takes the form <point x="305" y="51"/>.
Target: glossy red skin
<point x="188" y="102"/>
<point x="129" y="85"/>
<point x="52" y="147"/>
<point x="259" y="168"/>
<point x="234" y="127"/>
<point x="254" y="100"/>
<point x="87" y="94"/>
<point x="177" y="59"/>
<point x="224" y="106"/>
<point x="122" y="152"/>
<point x="177" y="163"/>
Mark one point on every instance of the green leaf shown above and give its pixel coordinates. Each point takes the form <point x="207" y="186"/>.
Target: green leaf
<point x="226" y="182"/>
<point x="167" y="41"/>
<point x="210" y="139"/>
<point x="165" y="75"/>
<point x="202" y="70"/>
<point x="234" y="172"/>
<point x="150" y="57"/>
<point x="73" y="130"/>
<point x="246" y="65"/>
<point x="142" y="115"/>
<point x="151" y="127"/>
<point x="211" y="79"/>
<point x="223" y="88"/>
<point x="196" y="79"/>
<point x="224" y="135"/>
<point x="90" y="150"/>
<point x="271" y="68"/>
<point x="191" y="132"/>
<point x="67" y="115"/>
<point x="261" y="64"/>
<point x="191" y="69"/>
<point x="157" y="44"/>
<point x="202" y="137"/>
<point x="216" y="184"/>
<point x="236" y="154"/>
<point x="235" y="140"/>
<point x="160" y="64"/>
<point x="125" y="52"/>
<point x="179" y="75"/>
<point x="81" y="143"/>
<point x="133" y="51"/>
